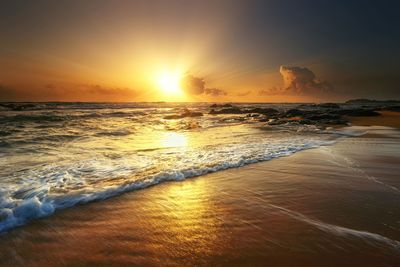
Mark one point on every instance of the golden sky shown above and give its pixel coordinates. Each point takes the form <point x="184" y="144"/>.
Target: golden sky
<point x="152" y="50"/>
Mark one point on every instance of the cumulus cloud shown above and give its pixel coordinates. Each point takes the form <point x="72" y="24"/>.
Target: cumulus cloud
<point x="301" y="80"/>
<point x="197" y="86"/>
<point x="298" y="81"/>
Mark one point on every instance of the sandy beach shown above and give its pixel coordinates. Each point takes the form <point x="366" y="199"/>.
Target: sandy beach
<point x="199" y="133"/>
<point x="387" y="118"/>
<point x="335" y="205"/>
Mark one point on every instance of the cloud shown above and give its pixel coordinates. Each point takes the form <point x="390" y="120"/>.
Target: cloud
<point x="244" y="93"/>
<point x="67" y="92"/>
<point x="214" y="92"/>
<point x="193" y="85"/>
<point x="6" y="91"/>
<point x="298" y="81"/>
<point x="197" y="86"/>
<point x="302" y="80"/>
<point x="92" y="89"/>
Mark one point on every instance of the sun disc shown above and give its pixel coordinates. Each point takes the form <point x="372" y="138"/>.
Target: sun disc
<point x="169" y="83"/>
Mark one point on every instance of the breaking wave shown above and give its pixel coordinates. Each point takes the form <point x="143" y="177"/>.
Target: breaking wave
<point x="62" y="187"/>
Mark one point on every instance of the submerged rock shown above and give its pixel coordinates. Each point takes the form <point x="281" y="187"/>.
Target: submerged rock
<point x="185" y="114"/>
<point x="221" y="105"/>
<point x="264" y="111"/>
<point x="294" y="113"/>
<point x="232" y="110"/>
<point x="323" y="116"/>
<point x="328" y="105"/>
<point x="236" y="110"/>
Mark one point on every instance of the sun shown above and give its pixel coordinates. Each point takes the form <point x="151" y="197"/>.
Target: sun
<point x="169" y="82"/>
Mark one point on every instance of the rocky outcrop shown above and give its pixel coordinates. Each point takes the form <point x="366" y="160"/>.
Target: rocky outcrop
<point x="236" y="110"/>
<point x="186" y="113"/>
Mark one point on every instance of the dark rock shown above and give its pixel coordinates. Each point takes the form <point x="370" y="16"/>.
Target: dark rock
<point x="305" y="121"/>
<point x="185" y="114"/>
<point x="232" y="110"/>
<point x="221" y="105"/>
<point x="294" y="113"/>
<point x="264" y="111"/>
<point x="392" y="108"/>
<point x="253" y="115"/>
<point x="323" y="116"/>
<point x="328" y="105"/>
<point x="278" y="121"/>
<point x="236" y="110"/>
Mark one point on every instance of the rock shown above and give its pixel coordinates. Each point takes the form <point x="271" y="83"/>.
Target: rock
<point x="236" y="110"/>
<point x="186" y="113"/>
<point x="328" y="105"/>
<point x="221" y="105"/>
<point x="323" y="116"/>
<point x="392" y="108"/>
<point x="294" y="113"/>
<point x="253" y="115"/>
<point x="276" y="121"/>
<point x="232" y="110"/>
<point x="264" y="111"/>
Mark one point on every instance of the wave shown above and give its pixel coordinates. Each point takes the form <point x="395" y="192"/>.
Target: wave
<point x="18" y="207"/>
<point x="120" y="132"/>
<point x="57" y="117"/>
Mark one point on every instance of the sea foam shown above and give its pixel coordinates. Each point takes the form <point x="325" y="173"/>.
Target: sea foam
<point x="18" y="205"/>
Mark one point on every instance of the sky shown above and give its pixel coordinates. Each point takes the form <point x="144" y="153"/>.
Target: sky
<point x="209" y="50"/>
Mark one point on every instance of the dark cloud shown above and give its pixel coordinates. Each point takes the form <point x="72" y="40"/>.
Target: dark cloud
<point x="196" y="86"/>
<point x="298" y="81"/>
<point x="193" y="85"/>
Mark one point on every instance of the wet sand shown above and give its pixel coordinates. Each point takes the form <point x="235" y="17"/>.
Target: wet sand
<point x="387" y="118"/>
<point x="331" y="206"/>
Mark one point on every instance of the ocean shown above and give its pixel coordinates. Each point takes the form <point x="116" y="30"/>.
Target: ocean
<point x="58" y="155"/>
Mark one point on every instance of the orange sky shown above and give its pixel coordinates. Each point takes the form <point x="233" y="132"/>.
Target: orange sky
<point x="115" y="51"/>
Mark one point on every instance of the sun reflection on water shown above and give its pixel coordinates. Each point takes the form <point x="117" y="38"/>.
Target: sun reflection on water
<point x="174" y="139"/>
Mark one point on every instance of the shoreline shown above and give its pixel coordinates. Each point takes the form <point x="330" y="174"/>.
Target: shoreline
<point x="265" y="212"/>
<point x="387" y="118"/>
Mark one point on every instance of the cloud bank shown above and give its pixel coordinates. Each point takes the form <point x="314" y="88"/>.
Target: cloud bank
<point x="193" y="85"/>
<point x="67" y="92"/>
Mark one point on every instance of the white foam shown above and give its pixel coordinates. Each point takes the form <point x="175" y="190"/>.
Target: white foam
<point x="36" y="199"/>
